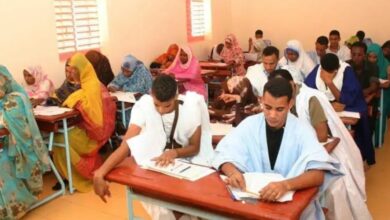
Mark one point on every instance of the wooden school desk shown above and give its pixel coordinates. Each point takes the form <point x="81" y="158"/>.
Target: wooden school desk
<point x="61" y="123"/>
<point x="207" y="198"/>
<point x="4" y="132"/>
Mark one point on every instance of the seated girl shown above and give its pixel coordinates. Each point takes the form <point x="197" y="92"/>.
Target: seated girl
<point x="134" y="77"/>
<point x="96" y="108"/>
<point x="232" y="54"/>
<point x="24" y="156"/>
<point x="39" y="86"/>
<point x="186" y="69"/>
<point x="101" y="65"/>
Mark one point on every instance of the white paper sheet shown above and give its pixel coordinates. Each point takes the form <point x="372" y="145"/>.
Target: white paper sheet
<point x="124" y="96"/>
<point x="50" y="110"/>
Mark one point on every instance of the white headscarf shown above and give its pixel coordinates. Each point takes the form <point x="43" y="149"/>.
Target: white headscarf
<point x="304" y="64"/>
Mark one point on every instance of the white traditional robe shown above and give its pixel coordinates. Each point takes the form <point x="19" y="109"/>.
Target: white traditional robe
<point x="246" y="147"/>
<point x="346" y="197"/>
<point x="192" y="113"/>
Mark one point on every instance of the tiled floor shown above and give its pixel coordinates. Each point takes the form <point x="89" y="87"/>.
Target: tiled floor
<point x="88" y="206"/>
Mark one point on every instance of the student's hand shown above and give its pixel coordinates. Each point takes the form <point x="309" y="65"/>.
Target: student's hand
<point x="338" y="107"/>
<point x="101" y="188"/>
<point x="168" y="157"/>
<point x="112" y="89"/>
<point x="229" y="98"/>
<point x="273" y="191"/>
<point x="229" y="118"/>
<point x="236" y="179"/>
<point x="385" y="85"/>
<point x="250" y="41"/>
<point x="326" y="77"/>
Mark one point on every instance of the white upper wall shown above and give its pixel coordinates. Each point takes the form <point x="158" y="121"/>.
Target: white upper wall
<point x="305" y="20"/>
<point x="144" y="28"/>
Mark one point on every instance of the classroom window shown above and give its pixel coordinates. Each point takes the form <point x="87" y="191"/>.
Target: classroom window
<point x="77" y="26"/>
<point x="197" y="19"/>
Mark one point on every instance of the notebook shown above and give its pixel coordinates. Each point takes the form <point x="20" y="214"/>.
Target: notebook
<point x="180" y="169"/>
<point x="349" y="114"/>
<point x="254" y="183"/>
<point x="50" y="110"/>
<point x="124" y="96"/>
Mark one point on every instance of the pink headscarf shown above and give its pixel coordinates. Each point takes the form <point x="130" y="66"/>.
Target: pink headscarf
<point x="188" y="71"/>
<point x="43" y="87"/>
<point x="235" y="53"/>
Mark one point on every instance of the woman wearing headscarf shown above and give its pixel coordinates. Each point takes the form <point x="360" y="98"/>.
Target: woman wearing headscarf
<point x="375" y="56"/>
<point x="134" y="77"/>
<point x="102" y="66"/>
<point x="39" y="87"/>
<point x="68" y="86"/>
<point x="165" y="59"/>
<point x="95" y="105"/>
<point x="232" y="55"/>
<point x="24" y="157"/>
<point x="296" y="57"/>
<point x="186" y="67"/>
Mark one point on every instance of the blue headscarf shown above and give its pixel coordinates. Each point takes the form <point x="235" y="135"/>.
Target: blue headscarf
<point x="140" y="79"/>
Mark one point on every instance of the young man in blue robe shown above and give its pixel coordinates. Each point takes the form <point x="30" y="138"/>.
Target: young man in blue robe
<point x="338" y="82"/>
<point x="275" y="141"/>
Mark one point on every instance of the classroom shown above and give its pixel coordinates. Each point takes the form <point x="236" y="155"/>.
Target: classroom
<point x="243" y="109"/>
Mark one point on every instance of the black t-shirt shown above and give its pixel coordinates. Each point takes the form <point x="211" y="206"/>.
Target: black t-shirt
<point x="274" y="139"/>
<point x="365" y="75"/>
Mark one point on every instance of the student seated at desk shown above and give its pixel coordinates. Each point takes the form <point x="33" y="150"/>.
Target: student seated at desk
<point x="296" y="57"/>
<point x="275" y="141"/>
<point x="102" y="66"/>
<point x="39" y="87"/>
<point x="338" y="82"/>
<point x="345" y="198"/>
<point x="257" y="46"/>
<point x="134" y="77"/>
<point x="24" y="156"/>
<point x="186" y="67"/>
<point x="232" y="55"/>
<point x="320" y="49"/>
<point x="236" y="101"/>
<point x="166" y="59"/>
<point x="179" y="127"/>
<point x="367" y="75"/>
<point x="215" y="54"/>
<point x="68" y="86"/>
<point x="96" y="107"/>
<point x="375" y="56"/>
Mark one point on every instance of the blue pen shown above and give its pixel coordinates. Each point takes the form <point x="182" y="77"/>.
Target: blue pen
<point x="231" y="193"/>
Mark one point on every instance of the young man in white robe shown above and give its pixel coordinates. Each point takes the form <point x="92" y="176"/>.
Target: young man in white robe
<point x="275" y="141"/>
<point x="151" y="123"/>
<point x="258" y="74"/>
<point x="321" y="46"/>
<point x="342" y="51"/>
<point x="346" y="197"/>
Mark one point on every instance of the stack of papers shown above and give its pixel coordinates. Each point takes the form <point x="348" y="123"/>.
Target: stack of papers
<point x="180" y="169"/>
<point x="381" y="81"/>
<point x="50" y="110"/>
<point x="220" y="129"/>
<point x="255" y="182"/>
<point x="348" y="114"/>
<point x="124" y="96"/>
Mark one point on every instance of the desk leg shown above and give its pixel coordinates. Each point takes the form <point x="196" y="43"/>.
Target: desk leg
<point x="67" y="151"/>
<point x="123" y="114"/>
<point x="130" y="207"/>
<point x="381" y="120"/>
<point x="51" y="141"/>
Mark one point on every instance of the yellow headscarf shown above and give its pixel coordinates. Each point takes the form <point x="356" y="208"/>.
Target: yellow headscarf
<point x="90" y="95"/>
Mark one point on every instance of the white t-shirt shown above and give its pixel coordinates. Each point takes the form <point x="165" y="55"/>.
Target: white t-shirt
<point x="192" y="114"/>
